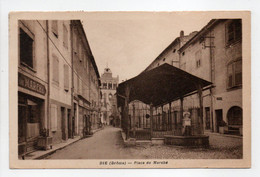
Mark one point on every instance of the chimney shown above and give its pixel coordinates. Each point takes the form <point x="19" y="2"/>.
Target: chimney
<point x="181" y="33"/>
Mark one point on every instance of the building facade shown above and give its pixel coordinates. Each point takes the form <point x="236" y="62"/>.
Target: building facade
<point x="32" y="83"/>
<point x="58" y="83"/>
<point x="214" y="54"/>
<point x="86" y="84"/>
<point x="109" y="110"/>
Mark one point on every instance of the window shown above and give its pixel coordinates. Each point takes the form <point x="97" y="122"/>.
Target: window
<point x="198" y="63"/>
<point x="234" y="74"/>
<point x="105" y="85"/>
<point x="164" y="59"/>
<point x="26" y="49"/>
<point x="174" y="50"/>
<point x="55" y="28"/>
<point x="233" y="31"/>
<point x="75" y="82"/>
<point x="183" y="53"/>
<point x="65" y="37"/>
<point x="66" y="77"/>
<point x="114" y="86"/>
<point x="55" y="69"/>
<point x="198" y="58"/>
<point x="110" y="86"/>
<point x="78" y="84"/>
<point x="54" y="117"/>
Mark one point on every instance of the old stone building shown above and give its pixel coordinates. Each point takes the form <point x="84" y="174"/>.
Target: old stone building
<point x="59" y="56"/>
<point x="58" y="83"/>
<point x="214" y="54"/>
<point x="32" y="83"/>
<point x="86" y="84"/>
<point x="108" y="88"/>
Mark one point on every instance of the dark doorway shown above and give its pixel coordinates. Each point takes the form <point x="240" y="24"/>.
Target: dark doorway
<point x="207" y="111"/>
<point x="219" y="118"/>
<point x="234" y="116"/>
<point x="69" y="124"/>
<point x="21" y="123"/>
<point x="63" y="123"/>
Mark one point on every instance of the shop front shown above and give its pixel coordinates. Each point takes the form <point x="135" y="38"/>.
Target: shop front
<point x="31" y="112"/>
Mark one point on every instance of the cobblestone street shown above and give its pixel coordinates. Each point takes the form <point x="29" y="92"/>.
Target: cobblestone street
<point x="220" y="148"/>
<point x="108" y="144"/>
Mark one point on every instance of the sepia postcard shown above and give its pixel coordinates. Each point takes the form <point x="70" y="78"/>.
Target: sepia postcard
<point x="130" y="89"/>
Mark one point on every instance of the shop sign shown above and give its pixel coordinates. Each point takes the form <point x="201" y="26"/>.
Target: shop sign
<point x="30" y="84"/>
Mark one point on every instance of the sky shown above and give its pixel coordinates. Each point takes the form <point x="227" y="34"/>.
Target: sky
<point x="128" y="42"/>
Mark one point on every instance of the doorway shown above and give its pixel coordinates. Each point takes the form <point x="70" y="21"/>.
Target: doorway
<point x="219" y="118"/>
<point x="207" y="111"/>
<point x="68" y="124"/>
<point x="63" y="125"/>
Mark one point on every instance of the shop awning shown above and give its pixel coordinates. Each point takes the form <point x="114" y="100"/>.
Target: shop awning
<point x="160" y="85"/>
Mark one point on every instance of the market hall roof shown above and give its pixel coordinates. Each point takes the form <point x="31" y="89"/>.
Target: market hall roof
<point x="160" y="85"/>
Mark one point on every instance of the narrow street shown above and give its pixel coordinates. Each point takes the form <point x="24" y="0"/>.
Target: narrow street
<point x="104" y="144"/>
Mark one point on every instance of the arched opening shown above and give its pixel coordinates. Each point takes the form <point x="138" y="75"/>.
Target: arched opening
<point x="235" y="116"/>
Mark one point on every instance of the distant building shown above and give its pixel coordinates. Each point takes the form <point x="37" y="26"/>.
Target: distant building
<point x="170" y="55"/>
<point x="109" y="111"/>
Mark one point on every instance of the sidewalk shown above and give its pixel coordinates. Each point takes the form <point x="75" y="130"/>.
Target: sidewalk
<point x="42" y="154"/>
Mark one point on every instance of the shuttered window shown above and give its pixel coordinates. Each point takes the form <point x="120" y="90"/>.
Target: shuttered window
<point x="234" y="74"/>
<point x="75" y="82"/>
<point x="198" y="58"/>
<point x="66" y="77"/>
<point x="55" y="69"/>
<point x="26" y="48"/>
<point x="54" y="117"/>
<point x="65" y="36"/>
<point x="233" y="31"/>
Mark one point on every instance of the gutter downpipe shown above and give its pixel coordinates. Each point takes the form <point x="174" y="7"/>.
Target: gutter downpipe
<point x="70" y="134"/>
<point x="211" y="78"/>
<point x="48" y="76"/>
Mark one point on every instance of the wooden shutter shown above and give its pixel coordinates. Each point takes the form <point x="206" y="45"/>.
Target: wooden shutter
<point x="238" y="73"/>
<point x="66" y="77"/>
<point x="54" y="117"/>
<point x="55" y="69"/>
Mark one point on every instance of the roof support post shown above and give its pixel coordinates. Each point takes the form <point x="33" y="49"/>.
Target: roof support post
<point x="181" y="109"/>
<point x="201" y="109"/>
<point x="162" y="122"/>
<point x="170" y="117"/>
<point x="134" y="119"/>
<point x="127" y="93"/>
<point x="151" y="119"/>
